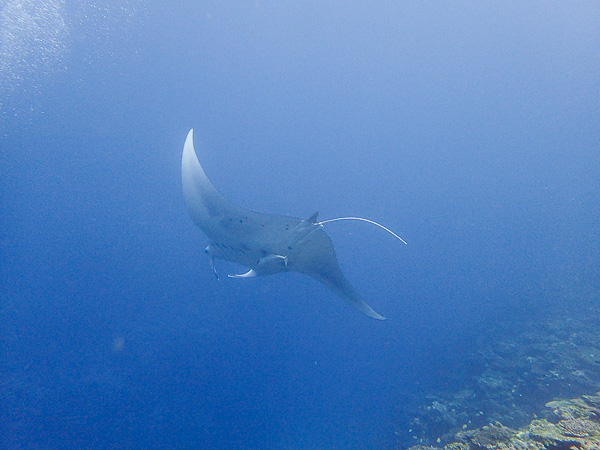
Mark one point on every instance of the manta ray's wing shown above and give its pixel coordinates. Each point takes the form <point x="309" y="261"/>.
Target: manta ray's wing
<point x="237" y="234"/>
<point x="316" y="258"/>
<point x="207" y="207"/>
<point x="265" y="243"/>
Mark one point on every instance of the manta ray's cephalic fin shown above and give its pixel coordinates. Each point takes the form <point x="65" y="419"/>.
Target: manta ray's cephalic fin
<point x="251" y="273"/>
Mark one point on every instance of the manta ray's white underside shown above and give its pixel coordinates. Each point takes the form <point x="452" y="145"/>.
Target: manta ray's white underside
<point x="265" y="243"/>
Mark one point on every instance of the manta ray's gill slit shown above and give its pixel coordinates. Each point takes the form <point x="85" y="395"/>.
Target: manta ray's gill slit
<point x="230" y="248"/>
<point x="227" y="251"/>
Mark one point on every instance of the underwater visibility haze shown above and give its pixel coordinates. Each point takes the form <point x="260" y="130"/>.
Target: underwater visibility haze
<point x="470" y="129"/>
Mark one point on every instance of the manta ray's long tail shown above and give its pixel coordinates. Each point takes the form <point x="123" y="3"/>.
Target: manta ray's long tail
<point x="364" y="220"/>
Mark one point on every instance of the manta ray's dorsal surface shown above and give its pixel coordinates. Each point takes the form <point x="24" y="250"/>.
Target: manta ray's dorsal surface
<point x="265" y="243"/>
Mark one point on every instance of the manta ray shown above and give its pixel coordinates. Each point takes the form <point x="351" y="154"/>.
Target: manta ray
<point x="265" y="243"/>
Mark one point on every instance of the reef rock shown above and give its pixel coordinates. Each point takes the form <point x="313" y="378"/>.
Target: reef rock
<point x="578" y="427"/>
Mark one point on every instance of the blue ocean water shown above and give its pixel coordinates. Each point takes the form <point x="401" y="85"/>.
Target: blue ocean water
<point x="471" y="129"/>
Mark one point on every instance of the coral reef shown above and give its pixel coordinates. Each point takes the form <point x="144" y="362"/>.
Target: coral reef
<point x="576" y="425"/>
<point x="510" y="373"/>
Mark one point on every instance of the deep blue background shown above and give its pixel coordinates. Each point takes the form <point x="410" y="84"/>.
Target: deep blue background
<point x="472" y="129"/>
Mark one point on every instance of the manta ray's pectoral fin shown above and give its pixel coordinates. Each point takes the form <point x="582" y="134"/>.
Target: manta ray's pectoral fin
<point x="337" y="282"/>
<point x="209" y="250"/>
<point x="249" y="274"/>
